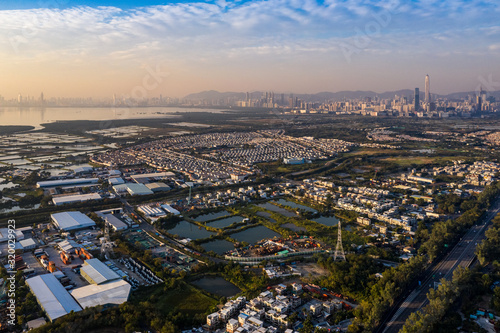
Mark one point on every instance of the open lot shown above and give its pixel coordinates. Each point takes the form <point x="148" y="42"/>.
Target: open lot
<point x="33" y="263"/>
<point x="311" y="269"/>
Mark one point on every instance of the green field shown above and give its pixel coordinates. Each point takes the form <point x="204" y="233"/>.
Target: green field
<point x="184" y="298"/>
<point x="405" y="161"/>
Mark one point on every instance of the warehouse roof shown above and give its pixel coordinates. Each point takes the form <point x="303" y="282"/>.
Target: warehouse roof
<point x="138" y="189"/>
<point x="4" y="234"/>
<point x="157" y="187"/>
<point x="27" y="243"/>
<point x="108" y="293"/>
<point x="139" y="177"/>
<point x="115" y="222"/>
<point x="116" y="181"/>
<point x="62" y="182"/>
<point x="98" y="271"/>
<point x="72" y="220"/>
<point x="68" y="245"/>
<point x="76" y="198"/>
<point x="170" y="209"/>
<point x="53" y="298"/>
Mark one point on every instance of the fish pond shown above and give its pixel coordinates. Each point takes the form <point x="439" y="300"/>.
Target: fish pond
<point x="253" y="235"/>
<point x="188" y="230"/>
<point x="219" y="246"/>
<point x="225" y="222"/>
<point x="211" y="216"/>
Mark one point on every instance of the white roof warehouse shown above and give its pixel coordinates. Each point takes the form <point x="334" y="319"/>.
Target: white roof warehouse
<point x="52" y="297"/>
<point x="72" y="221"/>
<point x="96" y="272"/>
<point x="110" y="293"/>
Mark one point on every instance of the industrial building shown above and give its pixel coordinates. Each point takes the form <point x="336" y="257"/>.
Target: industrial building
<point x="27" y="244"/>
<point x="158" y="187"/>
<point x="116" y="181"/>
<point x="170" y="209"/>
<point x="144" y="177"/>
<point x="4" y="235"/>
<point x="83" y="170"/>
<point x="115" y="223"/>
<point x="96" y="272"/>
<point x="71" y="221"/>
<point x="151" y="211"/>
<point x="114" y="173"/>
<point x="67" y="182"/>
<point x="293" y="161"/>
<point x="138" y="189"/>
<point x="111" y="293"/>
<point x="75" y="198"/>
<point x="53" y="298"/>
<point x="132" y="189"/>
<point x="68" y="245"/>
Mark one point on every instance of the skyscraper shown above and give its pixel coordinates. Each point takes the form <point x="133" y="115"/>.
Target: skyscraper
<point x="479" y="101"/>
<point x="416" y="100"/>
<point x="427" y="90"/>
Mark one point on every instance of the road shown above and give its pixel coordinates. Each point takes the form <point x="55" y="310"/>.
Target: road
<point x="461" y="255"/>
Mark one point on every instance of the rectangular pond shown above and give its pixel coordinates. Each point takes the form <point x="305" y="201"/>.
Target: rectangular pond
<point x="295" y="205"/>
<point x="211" y="216"/>
<point x="188" y="230"/>
<point x="293" y="227"/>
<point x="222" y="223"/>
<point x="217" y="286"/>
<point x="219" y="246"/>
<point x="276" y="209"/>
<point x="253" y="235"/>
<point x="267" y="216"/>
<point x="329" y="221"/>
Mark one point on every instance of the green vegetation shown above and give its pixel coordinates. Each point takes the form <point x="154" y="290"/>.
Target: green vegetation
<point x="489" y="249"/>
<point x="164" y="308"/>
<point x="353" y="277"/>
<point x="384" y="293"/>
<point x="27" y="307"/>
<point x="440" y="301"/>
<point x="396" y="280"/>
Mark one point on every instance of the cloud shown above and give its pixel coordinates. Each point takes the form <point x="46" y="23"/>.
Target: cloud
<point x="252" y="33"/>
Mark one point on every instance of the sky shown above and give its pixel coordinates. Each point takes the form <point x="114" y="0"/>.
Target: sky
<point x="144" y="48"/>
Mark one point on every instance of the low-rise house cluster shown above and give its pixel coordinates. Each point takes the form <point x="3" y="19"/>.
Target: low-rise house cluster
<point x="480" y="173"/>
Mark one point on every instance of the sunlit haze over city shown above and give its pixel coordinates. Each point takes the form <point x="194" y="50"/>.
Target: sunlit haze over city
<point x="99" y="48"/>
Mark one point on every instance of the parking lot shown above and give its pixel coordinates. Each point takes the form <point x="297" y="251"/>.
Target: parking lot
<point x="138" y="275"/>
<point x="33" y="263"/>
<point x="75" y="278"/>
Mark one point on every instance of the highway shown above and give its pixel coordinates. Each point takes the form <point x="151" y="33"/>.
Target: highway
<point x="461" y="255"/>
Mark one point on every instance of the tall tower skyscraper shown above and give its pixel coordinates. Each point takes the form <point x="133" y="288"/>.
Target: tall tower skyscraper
<point x="416" y="100"/>
<point x="427" y="90"/>
<point x="479" y="101"/>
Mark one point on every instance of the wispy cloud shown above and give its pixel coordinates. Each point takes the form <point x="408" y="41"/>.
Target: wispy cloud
<point x="196" y="33"/>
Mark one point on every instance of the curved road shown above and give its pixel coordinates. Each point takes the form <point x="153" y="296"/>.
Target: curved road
<point x="461" y="255"/>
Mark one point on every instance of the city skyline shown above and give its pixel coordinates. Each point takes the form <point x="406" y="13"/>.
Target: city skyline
<point x="97" y="48"/>
<point x="256" y="94"/>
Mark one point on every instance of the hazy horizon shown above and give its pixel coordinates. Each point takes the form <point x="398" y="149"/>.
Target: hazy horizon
<point x="146" y="48"/>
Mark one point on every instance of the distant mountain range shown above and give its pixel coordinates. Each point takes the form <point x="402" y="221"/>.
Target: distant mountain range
<point x="325" y="96"/>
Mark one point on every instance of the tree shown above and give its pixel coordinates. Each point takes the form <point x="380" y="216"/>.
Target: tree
<point x="495" y="301"/>
<point x="308" y="326"/>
